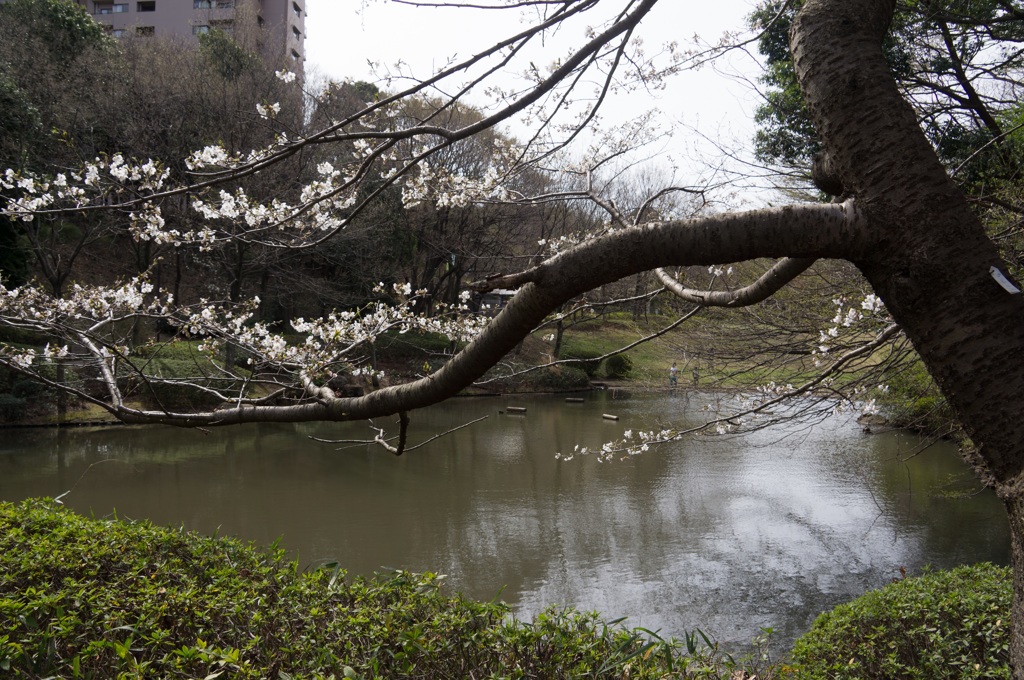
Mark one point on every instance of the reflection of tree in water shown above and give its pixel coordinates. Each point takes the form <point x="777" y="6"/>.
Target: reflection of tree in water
<point x="917" y="481"/>
<point x="725" y="533"/>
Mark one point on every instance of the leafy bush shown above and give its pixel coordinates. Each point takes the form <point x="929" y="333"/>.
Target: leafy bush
<point x="181" y="361"/>
<point x="11" y="407"/>
<point x="85" y="598"/>
<point x="173" y="395"/>
<point x="562" y="378"/>
<point x="16" y="336"/>
<point x="584" y="359"/>
<point x="618" y="366"/>
<point x="947" y="624"/>
<point x="21" y="397"/>
<point x="914" y="401"/>
<point x="395" y="346"/>
<point x="175" y="349"/>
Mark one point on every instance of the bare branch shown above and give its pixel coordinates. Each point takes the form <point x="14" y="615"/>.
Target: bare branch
<point x="773" y="280"/>
<point x="403" y="434"/>
<point x="380" y="440"/>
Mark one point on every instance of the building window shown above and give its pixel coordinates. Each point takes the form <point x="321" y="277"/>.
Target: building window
<point x="145" y="30"/>
<point x="199" y="30"/>
<point x="109" y="8"/>
<point x="119" y="32"/>
<point x="226" y="25"/>
<point x="295" y="56"/>
<point x="296" y="34"/>
<point x="296" y="10"/>
<point x="146" y="6"/>
<point x="202" y="4"/>
<point x="259" y="21"/>
<point x="225" y="4"/>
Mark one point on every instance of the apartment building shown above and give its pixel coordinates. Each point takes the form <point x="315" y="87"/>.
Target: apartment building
<point x="279" y="26"/>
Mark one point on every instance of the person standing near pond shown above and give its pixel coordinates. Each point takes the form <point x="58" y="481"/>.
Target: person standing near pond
<point x="672" y="375"/>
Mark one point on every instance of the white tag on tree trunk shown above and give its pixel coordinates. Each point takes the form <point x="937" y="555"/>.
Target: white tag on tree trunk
<point x="1003" y="281"/>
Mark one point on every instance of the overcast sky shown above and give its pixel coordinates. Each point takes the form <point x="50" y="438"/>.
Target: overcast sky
<point x="342" y="38"/>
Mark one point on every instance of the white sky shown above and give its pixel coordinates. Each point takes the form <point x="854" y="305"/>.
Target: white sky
<point x="342" y="38"/>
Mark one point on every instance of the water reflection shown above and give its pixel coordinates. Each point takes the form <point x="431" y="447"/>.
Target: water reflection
<point x="724" y="534"/>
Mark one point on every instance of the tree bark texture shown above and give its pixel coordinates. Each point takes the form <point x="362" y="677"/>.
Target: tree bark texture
<point x="927" y="255"/>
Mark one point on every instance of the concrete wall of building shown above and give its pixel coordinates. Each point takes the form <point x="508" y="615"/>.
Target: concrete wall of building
<point x="290" y="19"/>
<point x="279" y="25"/>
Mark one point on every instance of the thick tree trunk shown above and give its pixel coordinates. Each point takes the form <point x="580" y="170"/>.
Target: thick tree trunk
<point x="1015" y="511"/>
<point x="927" y="255"/>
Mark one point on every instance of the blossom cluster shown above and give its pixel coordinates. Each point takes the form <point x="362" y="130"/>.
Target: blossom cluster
<point x="88" y="304"/>
<point x="84" y="318"/>
<point x="237" y="208"/>
<point x="331" y="344"/>
<point x="32" y="193"/>
<point x="212" y="156"/>
<point x="335" y="344"/>
<point x="870" y="308"/>
<point x="719" y="271"/>
<point x="631" y="444"/>
<point x="269" y="110"/>
<point x="148" y="224"/>
<point x="323" y="206"/>
<point x="444" y="186"/>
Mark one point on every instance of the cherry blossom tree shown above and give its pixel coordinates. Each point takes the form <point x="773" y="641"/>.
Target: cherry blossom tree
<point x="898" y="218"/>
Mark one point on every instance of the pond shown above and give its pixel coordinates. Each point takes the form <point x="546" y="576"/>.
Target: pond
<point x="725" y="534"/>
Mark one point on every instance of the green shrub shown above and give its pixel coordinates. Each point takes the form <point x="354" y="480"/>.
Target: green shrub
<point x="21" y="397"/>
<point x="561" y="379"/>
<point x="83" y="598"/>
<point x="944" y="624"/>
<point x="618" y="366"/>
<point x="175" y="349"/>
<point x="11" y="407"/>
<point x="173" y="361"/>
<point x="17" y="336"/>
<point x="395" y="346"/>
<point x="583" y="359"/>
<point x="913" y="401"/>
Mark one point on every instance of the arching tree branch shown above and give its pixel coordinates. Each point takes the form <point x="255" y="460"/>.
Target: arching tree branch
<point x="829" y="230"/>
<point x="773" y="280"/>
